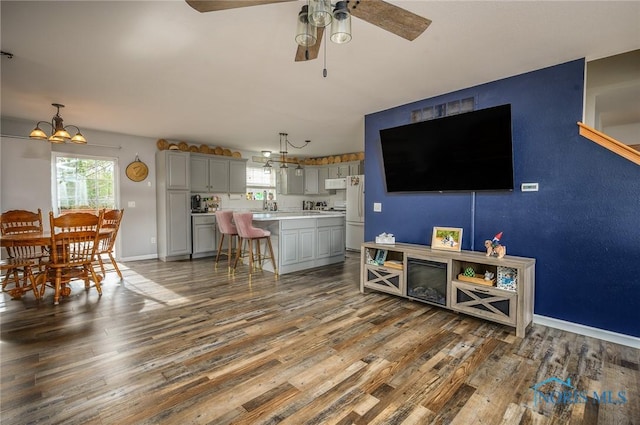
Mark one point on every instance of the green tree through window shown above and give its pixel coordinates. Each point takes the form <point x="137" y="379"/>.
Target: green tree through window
<point x="84" y="184"/>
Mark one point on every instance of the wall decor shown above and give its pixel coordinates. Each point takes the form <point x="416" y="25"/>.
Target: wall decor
<point x="446" y="238"/>
<point x="137" y="171"/>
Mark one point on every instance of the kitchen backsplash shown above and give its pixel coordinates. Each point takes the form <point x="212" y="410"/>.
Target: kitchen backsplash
<point x="285" y="202"/>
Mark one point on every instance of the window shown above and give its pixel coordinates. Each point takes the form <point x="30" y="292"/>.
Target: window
<point x="258" y="183"/>
<point x="83" y="183"/>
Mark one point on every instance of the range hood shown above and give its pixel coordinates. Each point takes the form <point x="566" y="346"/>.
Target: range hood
<point x="335" y="183"/>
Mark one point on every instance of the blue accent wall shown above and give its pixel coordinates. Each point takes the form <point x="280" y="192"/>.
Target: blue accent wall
<point x="582" y="226"/>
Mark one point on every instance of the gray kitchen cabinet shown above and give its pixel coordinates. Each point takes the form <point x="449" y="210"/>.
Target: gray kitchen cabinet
<point x="311" y="180"/>
<point x="199" y="173"/>
<point x="331" y="237"/>
<point x="176" y="170"/>
<point x="338" y="170"/>
<point x="218" y="174"/>
<point x="314" y="180"/>
<point x="173" y="199"/>
<point x="237" y="175"/>
<point x="203" y="235"/>
<point x="323" y="174"/>
<point x="345" y="169"/>
<point x="178" y="241"/>
<point x="297" y="241"/>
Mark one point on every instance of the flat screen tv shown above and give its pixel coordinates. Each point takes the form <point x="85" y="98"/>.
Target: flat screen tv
<point x="466" y="152"/>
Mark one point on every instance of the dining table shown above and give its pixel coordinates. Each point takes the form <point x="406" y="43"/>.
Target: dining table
<point x="41" y="239"/>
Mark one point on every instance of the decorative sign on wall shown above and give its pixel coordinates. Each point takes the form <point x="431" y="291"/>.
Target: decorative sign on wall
<point x="137" y="171"/>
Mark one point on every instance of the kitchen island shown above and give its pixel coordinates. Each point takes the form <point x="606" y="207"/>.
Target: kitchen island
<point x="303" y="240"/>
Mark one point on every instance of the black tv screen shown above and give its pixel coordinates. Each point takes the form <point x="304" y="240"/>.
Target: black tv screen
<point x="466" y="152"/>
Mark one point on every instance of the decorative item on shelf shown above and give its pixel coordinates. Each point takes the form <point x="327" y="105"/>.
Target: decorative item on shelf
<point x="469" y="272"/>
<point x="381" y="256"/>
<point x="487" y="279"/>
<point x="446" y="238"/>
<point x="507" y="278"/>
<point x="162" y="144"/>
<point x="494" y="249"/>
<point x="386" y="238"/>
<point x="393" y="264"/>
<point x="369" y="259"/>
<point x="137" y="171"/>
<point x="59" y="133"/>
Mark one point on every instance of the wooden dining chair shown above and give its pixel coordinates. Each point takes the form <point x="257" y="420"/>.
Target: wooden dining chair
<point x="74" y="245"/>
<point x="11" y="266"/>
<point x="110" y="220"/>
<point x="22" y="221"/>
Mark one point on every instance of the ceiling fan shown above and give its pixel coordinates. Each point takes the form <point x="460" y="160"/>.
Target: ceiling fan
<point x="385" y="15"/>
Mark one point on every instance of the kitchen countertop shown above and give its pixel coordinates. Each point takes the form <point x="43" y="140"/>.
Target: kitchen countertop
<point x="284" y="215"/>
<point x="280" y="215"/>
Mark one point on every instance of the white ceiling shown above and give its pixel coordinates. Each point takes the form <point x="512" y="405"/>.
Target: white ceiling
<point x="160" y="69"/>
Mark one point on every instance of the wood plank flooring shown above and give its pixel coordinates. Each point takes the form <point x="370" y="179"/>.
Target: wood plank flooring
<point x="183" y="343"/>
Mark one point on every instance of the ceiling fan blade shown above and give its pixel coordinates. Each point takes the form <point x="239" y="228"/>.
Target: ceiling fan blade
<point x="389" y="17"/>
<point x="213" y="5"/>
<point x="311" y="52"/>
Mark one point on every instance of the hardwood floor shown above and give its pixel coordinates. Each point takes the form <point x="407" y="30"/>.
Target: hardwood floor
<point x="182" y="343"/>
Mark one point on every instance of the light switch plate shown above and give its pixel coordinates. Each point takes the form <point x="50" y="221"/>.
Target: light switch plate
<point x="377" y="207"/>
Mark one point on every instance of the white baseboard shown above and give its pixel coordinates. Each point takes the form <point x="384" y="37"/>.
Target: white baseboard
<point x="139" y="257"/>
<point x="602" y="334"/>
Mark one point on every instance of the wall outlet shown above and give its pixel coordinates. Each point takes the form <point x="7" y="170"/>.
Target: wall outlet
<point x="377" y="207"/>
<point x="529" y="187"/>
<point x="131" y="204"/>
<point x="153" y="239"/>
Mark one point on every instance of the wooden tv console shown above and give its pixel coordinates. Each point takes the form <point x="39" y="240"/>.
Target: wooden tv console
<point x="468" y="295"/>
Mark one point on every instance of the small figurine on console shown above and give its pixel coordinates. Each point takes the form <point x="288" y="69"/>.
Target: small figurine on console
<point x="494" y="248"/>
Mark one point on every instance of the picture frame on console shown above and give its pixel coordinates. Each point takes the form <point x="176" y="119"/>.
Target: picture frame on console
<point x="447" y="238"/>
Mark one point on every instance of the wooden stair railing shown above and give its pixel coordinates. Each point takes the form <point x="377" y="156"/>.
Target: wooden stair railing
<point x="610" y="143"/>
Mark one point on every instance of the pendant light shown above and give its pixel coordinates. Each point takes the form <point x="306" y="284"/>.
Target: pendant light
<point x="320" y="12"/>
<point x="59" y="133"/>
<point x="306" y="34"/>
<point x="341" y="24"/>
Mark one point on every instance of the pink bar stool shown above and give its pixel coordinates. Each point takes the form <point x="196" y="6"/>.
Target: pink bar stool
<point x="246" y="232"/>
<point x="226" y="227"/>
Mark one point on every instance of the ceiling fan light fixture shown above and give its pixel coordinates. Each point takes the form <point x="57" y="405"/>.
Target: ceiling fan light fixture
<point x="306" y="34"/>
<point x="320" y="12"/>
<point x="266" y="168"/>
<point x="341" y="24"/>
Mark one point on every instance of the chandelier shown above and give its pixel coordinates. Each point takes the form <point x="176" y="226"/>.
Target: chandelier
<point x="284" y="142"/>
<point x="318" y="14"/>
<point x="59" y="132"/>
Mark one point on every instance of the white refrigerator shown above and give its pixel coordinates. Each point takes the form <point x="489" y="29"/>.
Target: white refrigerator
<point x="355" y="212"/>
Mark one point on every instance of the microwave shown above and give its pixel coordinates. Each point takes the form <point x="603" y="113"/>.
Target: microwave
<point x="335" y="183"/>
